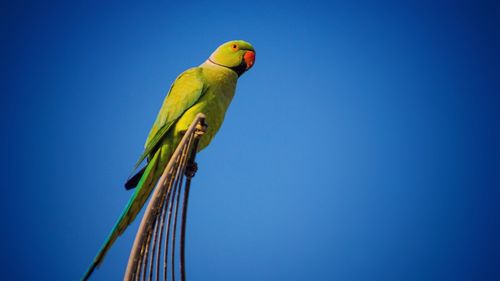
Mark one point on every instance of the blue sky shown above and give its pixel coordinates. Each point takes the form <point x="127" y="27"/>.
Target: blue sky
<point x="363" y="145"/>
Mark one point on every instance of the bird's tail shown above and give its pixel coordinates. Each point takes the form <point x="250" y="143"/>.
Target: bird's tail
<point x="141" y="194"/>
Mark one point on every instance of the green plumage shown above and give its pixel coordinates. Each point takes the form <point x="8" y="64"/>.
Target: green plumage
<point x="209" y="89"/>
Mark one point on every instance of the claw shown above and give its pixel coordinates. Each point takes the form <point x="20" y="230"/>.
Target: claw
<point x="191" y="169"/>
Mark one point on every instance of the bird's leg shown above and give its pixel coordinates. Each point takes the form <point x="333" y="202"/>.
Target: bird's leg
<point x="191" y="169"/>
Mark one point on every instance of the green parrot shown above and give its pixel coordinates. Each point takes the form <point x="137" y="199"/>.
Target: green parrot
<point x="209" y="89"/>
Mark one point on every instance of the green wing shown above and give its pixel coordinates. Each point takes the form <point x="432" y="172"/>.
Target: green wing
<point x="184" y="92"/>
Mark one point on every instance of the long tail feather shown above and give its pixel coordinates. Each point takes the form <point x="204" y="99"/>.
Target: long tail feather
<point x="141" y="194"/>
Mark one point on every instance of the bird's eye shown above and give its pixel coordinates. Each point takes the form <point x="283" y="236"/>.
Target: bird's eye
<point x="234" y="47"/>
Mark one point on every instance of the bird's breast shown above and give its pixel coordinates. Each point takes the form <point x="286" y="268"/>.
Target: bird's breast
<point x="213" y="103"/>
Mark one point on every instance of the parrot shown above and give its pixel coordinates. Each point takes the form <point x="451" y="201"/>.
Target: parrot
<point x="208" y="89"/>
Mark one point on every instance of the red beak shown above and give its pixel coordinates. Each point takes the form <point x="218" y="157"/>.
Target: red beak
<point x="249" y="58"/>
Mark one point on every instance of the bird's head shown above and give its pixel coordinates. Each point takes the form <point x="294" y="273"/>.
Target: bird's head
<point x="237" y="55"/>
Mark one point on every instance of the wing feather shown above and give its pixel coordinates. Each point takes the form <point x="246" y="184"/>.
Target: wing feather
<point x="184" y="93"/>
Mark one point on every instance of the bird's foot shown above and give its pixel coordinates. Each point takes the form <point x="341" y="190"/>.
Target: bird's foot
<point x="191" y="169"/>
